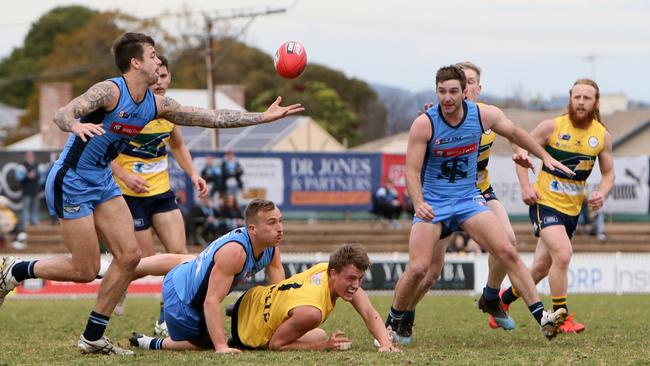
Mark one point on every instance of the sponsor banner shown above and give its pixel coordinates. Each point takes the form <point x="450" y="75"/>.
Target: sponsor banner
<point x="630" y="194"/>
<point x="394" y="169"/>
<point x="619" y="273"/>
<point x="457" y="274"/>
<point x="330" y="181"/>
<point x="383" y="275"/>
<point x="306" y="181"/>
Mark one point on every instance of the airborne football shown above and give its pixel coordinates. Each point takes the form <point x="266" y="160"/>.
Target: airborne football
<point x="290" y="59"/>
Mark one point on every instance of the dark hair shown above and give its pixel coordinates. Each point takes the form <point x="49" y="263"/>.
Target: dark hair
<point x="347" y="254"/>
<point x="451" y="72"/>
<point x="256" y="206"/>
<point x="163" y="61"/>
<point x="129" y="46"/>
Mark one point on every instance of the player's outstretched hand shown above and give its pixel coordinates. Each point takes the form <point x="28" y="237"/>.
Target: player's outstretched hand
<point x="227" y="350"/>
<point x="276" y="111"/>
<point x="523" y="160"/>
<point x="390" y="348"/>
<point x="338" y="342"/>
<point x="553" y="164"/>
<point x="86" y="130"/>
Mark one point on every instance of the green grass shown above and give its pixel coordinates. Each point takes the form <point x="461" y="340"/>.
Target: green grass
<point x="449" y="330"/>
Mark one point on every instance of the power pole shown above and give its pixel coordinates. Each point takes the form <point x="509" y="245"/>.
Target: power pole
<point x="209" y="57"/>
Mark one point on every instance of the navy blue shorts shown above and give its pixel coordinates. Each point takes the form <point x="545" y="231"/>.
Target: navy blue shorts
<point x="143" y="208"/>
<point x="489" y="194"/>
<point x="543" y="216"/>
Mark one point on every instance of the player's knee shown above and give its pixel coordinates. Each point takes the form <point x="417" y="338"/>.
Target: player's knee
<point x="506" y="253"/>
<point x="418" y="271"/>
<point x="563" y="258"/>
<point x="87" y="273"/>
<point x="129" y="259"/>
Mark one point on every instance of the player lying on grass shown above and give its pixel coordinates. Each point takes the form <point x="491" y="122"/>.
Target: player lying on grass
<point x="287" y="315"/>
<point x="195" y="286"/>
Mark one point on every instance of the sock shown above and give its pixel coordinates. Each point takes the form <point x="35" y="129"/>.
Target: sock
<point x="409" y="315"/>
<point x="155" y="343"/>
<point x="161" y="316"/>
<point x="23" y="270"/>
<point x="96" y="326"/>
<point x="537" y="309"/>
<point x="490" y="294"/>
<point x="559" y="302"/>
<point x="509" y="296"/>
<point x="146" y="342"/>
<point x="394" y="316"/>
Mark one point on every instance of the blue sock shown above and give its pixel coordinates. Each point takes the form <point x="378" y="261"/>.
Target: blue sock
<point x="537" y="309"/>
<point x="161" y="316"/>
<point x="96" y="326"/>
<point x="23" y="270"/>
<point x="490" y="294"/>
<point x="156" y="344"/>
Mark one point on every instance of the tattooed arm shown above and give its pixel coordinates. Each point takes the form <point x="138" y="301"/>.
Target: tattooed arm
<point x="103" y="94"/>
<point x="170" y="109"/>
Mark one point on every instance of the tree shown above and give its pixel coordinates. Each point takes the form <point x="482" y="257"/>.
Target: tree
<point x="21" y="69"/>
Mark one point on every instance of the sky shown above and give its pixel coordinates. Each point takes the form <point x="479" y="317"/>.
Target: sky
<point x="525" y="47"/>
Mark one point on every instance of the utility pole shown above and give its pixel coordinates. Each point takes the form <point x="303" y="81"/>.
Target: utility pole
<point x="209" y="57"/>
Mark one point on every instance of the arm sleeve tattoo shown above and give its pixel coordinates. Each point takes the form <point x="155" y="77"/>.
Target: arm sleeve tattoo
<point x="97" y="96"/>
<point x="195" y="116"/>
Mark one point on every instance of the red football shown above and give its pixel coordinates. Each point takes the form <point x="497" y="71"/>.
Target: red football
<point x="290" y="59"/>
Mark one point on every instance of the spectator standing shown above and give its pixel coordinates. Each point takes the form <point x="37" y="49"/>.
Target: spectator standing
<point x="232" y="173"/>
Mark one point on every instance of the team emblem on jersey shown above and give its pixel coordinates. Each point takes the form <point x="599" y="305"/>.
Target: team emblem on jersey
<point x="123" y="114"/>
<point x="564" y="136"/>
<point x="593" y="141"/>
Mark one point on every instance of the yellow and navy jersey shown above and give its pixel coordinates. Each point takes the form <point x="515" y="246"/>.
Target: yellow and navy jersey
<point x="482" y="174"/>
<point x="264" y="308"/>
<point x="577" y="149"/>
<point x="146" y="155"/>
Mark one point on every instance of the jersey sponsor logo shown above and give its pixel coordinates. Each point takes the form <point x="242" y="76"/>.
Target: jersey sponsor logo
<point x="566" y="188"/>
<point x="564" y="136"/>
<point x="447" y="140"/>
<point x="124" y="129"/>
<point x="453" y="169"/>
<point x="593" y="141"/>
<point x="455" y="151"/>
<point x="124" y="114"/>
<point x="150" y="168"/>
<point x="72" y="209"/>
<point x="316" y="279"/>
<point x="487" y="132"/>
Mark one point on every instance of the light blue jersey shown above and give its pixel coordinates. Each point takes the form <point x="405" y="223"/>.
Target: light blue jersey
<point x="92" y="159"/>
<point x="449" y="167"/>
<point x="81" y="179"/>
<point x="190" y="279"/>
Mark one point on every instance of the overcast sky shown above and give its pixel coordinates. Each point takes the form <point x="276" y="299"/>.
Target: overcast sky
<point x="536" y="46"/>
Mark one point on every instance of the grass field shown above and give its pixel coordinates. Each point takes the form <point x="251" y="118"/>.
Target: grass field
<point x="449" y="330"/>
